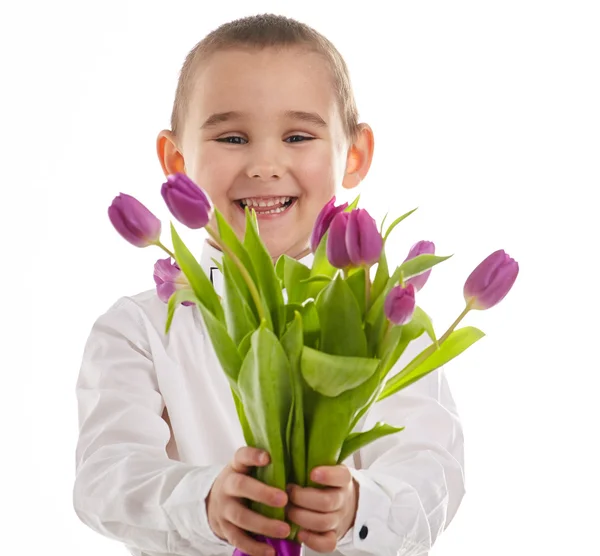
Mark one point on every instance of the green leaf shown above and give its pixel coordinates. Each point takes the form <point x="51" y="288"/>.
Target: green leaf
<point x="238" y="314"/>
<point x="264" y="385"/>
<point x="280" y="268"/>
<point x="341" y="321"/>
<point x="317" y="278"/>
<point x="295" y="434"/>
<point x="421" y="319"/>
<point x="397" y="341"/>
<point x="320" y="267"/>
<point x="358" y="440"/>
<point x="230" y="238"/>
<point x="268" y="283"/>
<point x="431" y="359"/>
<point x="239" y="407"/>
<point x="311" y="325"/>
<point x="396" y="222"/>
<point x="353" y="204"/>
<point x="244" y="345"/>
<point x="329" y="422"/>
<point x="330" y="375"/>
<point x="197" y="278"/>
<point x="419" y="264"/>
<point x="224" y="347"/>
<point x="357" y="283"/>
<point x="381" y="277"/>
<point x="410" y="268"/>
<point x="382" y="223"/>
<point x="294" y="272"/>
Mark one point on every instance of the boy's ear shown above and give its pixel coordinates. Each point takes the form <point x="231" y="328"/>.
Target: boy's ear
<point x="360" y="155"/>
<point x="168" y="152"/>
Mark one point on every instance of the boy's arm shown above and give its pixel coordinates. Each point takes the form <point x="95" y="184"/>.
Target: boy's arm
<point x="126" y="487"/>
<point x="410" y="483"/>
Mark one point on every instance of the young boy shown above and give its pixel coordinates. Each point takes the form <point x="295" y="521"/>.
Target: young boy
<point x="264" y="115"/>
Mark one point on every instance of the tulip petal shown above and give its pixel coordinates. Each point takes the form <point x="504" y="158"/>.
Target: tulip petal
<point x="337" y="253"/>
<point x="491" y="280"/>
<point x="133" y="221"/>
<point x="187" y="201"/>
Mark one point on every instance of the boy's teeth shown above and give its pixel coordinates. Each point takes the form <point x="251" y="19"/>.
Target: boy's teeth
<point x="268" y="203"/>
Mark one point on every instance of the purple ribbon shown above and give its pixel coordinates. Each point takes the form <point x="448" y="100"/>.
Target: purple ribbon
<point x="283" y="547"/>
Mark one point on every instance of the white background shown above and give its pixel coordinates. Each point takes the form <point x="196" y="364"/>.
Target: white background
<point x="486" y="116"/>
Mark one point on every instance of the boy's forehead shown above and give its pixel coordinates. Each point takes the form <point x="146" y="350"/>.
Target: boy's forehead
<point x="251" y="80"/>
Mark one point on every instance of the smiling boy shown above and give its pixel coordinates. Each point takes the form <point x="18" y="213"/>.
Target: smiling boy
<point x="264" y="116"/>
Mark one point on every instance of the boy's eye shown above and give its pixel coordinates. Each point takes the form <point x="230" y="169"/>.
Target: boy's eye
<point x="299" y="138"/>
<point x="233" y="139"/>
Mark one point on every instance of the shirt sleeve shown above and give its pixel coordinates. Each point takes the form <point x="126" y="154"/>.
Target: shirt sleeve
<point x="126" y="487"/>
<point x="411" y="483"/>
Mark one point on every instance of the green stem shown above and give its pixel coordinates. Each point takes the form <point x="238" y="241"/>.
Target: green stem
<point x="367" y="289"/>
<point x="455" y="323"/>
<point x="166" y="250"/>
<point x="245" y="274"/>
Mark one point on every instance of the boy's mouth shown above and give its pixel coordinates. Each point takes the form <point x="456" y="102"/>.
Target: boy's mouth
<point x="267" y="205"/>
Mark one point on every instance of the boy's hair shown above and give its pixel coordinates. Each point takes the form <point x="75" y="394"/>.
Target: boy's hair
<point x="263" y="31"/>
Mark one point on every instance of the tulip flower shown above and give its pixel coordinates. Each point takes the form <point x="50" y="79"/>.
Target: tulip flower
<point x="169" y="278"/>
<point x="420" y="248"/>
<point x="363" y="240"/>
<point x="134" y="221"/>
<point x="399" y="304"/>
<point x="353" y="240"/>
<point x="337" y="253"/>
<point x="491" y="280"/>
<point x="327" y="214"/>
<point x="186" y="201"/>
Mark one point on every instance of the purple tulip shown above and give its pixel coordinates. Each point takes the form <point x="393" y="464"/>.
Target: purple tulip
<point x="134" y="221"/>
<point x="491" y="280"/>
<point x="283" y="547"/>
<point x="169" y="278"/>
<point x="337" y="253"/>
<point x="399" y="304"/>
<point x="186" y="201"/>
<point x="420" y="248"/>
<point x="363" y="240"/>
<point x="327" y="214"/>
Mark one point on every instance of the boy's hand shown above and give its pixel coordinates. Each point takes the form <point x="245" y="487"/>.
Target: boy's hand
<point x="228" y="516"/>
<point x="324" y="514"/>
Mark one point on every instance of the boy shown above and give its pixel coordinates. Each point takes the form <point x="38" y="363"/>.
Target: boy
<point x="264" y="115"/>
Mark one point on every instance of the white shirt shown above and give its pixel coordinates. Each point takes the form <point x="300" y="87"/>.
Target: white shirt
<point x="157" y="423"/>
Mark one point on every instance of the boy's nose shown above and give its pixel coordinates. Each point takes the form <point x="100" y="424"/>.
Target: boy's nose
<point x="266" y="166"/>
<point x="264" y="171"/>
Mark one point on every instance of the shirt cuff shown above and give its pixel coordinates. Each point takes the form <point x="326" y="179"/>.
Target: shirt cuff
<point x="186" y="509"/>
<point x="371" y="534"/>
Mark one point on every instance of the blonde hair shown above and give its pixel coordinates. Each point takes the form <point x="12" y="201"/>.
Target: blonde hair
<point x="266" y="31"/>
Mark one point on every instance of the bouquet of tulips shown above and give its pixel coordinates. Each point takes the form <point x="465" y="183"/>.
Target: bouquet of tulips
<point x="307" y="351"/>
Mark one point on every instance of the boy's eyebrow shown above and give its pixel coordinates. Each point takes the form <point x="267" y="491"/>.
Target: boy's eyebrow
<point x="310" y="117"/>
<point x="220" y="117"/>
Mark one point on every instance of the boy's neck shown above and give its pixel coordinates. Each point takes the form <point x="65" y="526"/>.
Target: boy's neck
<point x="299" y="256"/>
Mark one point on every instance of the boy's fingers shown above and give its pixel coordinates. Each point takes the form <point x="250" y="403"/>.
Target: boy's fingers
<point x="317" y="499"/>
<point x="319" y="542"/>
<point x="334" y="475"/>
<point x="247" y="457"/>
<point x="314" y="521"/>
<point x="253" y="522"/>
<point x="236" y="537"/>
<point x="238" y="485"/>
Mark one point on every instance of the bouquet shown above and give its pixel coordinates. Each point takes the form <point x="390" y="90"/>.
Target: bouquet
<point x="307" y="351"/>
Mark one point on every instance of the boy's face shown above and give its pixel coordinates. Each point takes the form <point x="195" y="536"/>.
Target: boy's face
<point x="264" y="126"/>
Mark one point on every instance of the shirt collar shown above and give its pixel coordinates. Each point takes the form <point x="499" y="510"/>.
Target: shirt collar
<point x="212" y="271"/>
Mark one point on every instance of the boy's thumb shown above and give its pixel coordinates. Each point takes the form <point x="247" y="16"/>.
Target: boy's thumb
<point x="247" y="457"/>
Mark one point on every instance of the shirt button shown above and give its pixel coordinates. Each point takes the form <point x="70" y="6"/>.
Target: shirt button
<point x="364" y="531"/>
